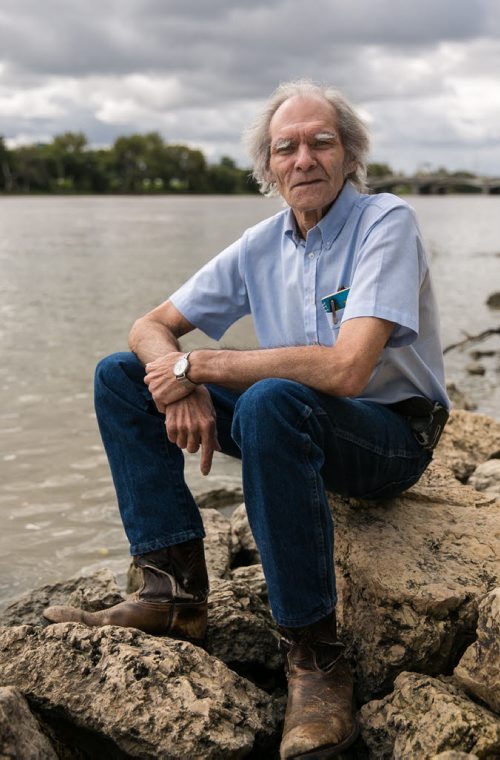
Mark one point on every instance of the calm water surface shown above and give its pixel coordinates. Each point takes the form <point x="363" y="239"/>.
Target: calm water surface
<point x="76" y="272"/>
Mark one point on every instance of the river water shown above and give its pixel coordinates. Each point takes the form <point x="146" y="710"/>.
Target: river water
<point x="74" y="274"/>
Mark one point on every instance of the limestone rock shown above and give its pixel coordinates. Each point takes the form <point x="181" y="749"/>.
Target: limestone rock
<point x="475" y="368"/>
<point x="218" y="498"/>
<point x="493" y="300"/>
<point x="411" y="571"/>
<point x="486" y="477"/>
<point x="253" y="576"/>
<point x="217" y="543"/>
<point x="245" y="550"/>
<point x="20" y="734"/>
<point x="91" y="592"/>
<point x="458" y="399"/>
<point x="478" y="672"/>
<point x="156" y="699"/>
<point x="241" y="631"/>
<point x="425" y="716"/>
<point x="468" y="439"/>
<point x="452" y="755"/>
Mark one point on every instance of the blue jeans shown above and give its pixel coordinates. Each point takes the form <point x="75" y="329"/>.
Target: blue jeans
<point x="294" y="444"/>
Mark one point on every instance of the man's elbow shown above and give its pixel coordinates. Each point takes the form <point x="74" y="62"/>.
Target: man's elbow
<point x="352" y="382"/>
<point x="134" y="333"/>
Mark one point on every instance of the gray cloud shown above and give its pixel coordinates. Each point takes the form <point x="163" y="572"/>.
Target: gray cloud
<point x="197" y="71"/>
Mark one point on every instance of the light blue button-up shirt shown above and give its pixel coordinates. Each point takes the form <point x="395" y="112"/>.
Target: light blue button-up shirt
<point x="368" y="243"/>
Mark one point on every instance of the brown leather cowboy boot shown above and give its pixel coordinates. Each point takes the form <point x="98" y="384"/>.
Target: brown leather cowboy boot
<point x="171" y="602"/>
<point x="319" y="719"/>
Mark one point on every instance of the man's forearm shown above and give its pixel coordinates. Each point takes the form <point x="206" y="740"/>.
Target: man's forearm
<point x="340" y="370"/>
<point x="319" y="367"/>
<point x="149" y="340"/>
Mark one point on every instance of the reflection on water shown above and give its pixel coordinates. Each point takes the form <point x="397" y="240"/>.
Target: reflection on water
<point x="74" y="274"/>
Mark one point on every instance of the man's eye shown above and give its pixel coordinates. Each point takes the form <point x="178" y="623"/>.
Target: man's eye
<point x="284" y="148"/>
<point x="322" y="144"/>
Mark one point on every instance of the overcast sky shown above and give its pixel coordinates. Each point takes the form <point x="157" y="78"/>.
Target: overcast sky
<point x="425" y="74"/>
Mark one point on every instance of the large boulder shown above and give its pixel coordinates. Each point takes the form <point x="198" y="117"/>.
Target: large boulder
<point x="217" y="543"/>
<point x="219" y="498"/>
<point x="20" y="734"/>
<point x="478" y="672"/>
<point x="152" y="698"/>
<point x="245" y="550"/>
<point x="468" y="439"/>
<point x="411" y="571"/>
<point x="486" y="477"/>
<point x="241" y="631"/>
<point x="424" y="717"/>
<point x="92" y="592"/>
<point x="253" y="576"/>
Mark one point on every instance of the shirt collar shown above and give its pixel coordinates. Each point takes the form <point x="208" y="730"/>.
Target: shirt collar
<point x="331" y="224"/>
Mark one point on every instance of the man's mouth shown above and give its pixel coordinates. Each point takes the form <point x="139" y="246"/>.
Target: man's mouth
<point x="306" y="183"/>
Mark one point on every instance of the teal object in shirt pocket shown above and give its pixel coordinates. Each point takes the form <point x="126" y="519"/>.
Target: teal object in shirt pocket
<point x="333" y="302"/>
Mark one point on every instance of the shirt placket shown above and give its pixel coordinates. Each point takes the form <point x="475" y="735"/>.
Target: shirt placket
<point x="312" y="251"/>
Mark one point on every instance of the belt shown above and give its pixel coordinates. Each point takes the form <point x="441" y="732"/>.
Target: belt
<point x="427" y="419"/>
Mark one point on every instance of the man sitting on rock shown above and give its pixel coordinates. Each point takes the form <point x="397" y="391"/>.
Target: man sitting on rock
<point x="341" y="395"/>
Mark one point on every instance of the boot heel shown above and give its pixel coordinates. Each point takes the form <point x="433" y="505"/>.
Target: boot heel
<point x="189" y="621"/>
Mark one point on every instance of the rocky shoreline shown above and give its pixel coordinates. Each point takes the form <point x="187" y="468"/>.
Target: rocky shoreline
<point x="419" y="610"/>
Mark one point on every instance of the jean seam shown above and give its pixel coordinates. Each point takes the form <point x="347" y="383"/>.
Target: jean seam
<point x="367" y="445"/>
<point x="143" y="547"/>
<point x="328" y="589"/>
<point x="160" y="433"/>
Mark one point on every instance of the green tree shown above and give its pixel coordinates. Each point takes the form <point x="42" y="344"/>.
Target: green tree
<point x="185" y="170"/>
<point x="137" y="162"/>
<point x="5" y="167"/>
<point x="30" y="169"/>
<point x="226" y="177"/>
<point x="67" y="161"/>
<point x="379" y="170"/>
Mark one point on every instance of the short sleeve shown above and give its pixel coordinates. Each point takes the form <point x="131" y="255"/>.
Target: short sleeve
<point x="215" y="297"/>
<point x="387" y="275"/>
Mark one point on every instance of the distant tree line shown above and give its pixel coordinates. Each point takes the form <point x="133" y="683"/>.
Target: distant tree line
<point x="460" y="185"/>
<point x="133" y="164"/>
<point x="137" y="164"/>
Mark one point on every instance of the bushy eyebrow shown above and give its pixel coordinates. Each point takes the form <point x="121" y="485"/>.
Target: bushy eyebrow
<point x="282" y="143"/>
<point x="325" y="136"/>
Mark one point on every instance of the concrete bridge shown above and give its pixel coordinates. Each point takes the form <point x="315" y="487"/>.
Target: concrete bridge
<point x="434" y="184"/>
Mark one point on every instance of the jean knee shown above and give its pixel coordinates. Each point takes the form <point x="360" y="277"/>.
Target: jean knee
<point x="266" y="403"/>
<point x="113" y="370"/>
<point x="266" y="395"/>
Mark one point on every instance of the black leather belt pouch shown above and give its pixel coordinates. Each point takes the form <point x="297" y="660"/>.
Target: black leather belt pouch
<point x="427" y="419"/>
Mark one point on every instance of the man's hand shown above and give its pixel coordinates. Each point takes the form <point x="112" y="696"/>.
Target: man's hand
<point x="190" y="423"/>
<point x="162" y="383"/>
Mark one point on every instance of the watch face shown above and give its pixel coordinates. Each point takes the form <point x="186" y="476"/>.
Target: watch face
<point x="181" y="366"/>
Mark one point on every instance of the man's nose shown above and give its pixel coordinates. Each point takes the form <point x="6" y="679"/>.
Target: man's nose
<point x="304" y="158"/>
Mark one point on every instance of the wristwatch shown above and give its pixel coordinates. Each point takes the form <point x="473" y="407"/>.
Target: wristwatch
<point x="181" y="368"/>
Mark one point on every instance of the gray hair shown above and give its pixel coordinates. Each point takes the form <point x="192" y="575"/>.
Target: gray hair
<point x="353" y="133"/>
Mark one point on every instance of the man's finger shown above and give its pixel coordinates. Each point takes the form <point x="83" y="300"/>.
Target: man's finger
<point x="209" y="444"/>
<point x="193" y="443"/>
<point x="207" y="454"/>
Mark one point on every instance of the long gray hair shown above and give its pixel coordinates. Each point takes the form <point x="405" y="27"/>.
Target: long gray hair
<point x="353" y="133"/>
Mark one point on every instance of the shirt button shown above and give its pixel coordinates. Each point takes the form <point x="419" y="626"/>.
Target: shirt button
<point x="311" y="255"/>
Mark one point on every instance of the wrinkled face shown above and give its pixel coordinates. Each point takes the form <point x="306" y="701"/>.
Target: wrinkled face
<point x="307" y="157"/>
